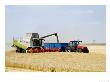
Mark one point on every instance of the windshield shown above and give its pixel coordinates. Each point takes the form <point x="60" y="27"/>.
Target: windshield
<point x="73" y="43"/>
<point x="37" y="42"/>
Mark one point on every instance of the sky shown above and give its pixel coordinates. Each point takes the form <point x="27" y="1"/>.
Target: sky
<point x="71" y="22"/>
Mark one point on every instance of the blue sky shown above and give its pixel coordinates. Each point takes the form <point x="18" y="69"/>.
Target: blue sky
<point x="86" y="23"/>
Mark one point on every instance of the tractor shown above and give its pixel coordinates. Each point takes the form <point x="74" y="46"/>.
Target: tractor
<point x="75" y="46"/>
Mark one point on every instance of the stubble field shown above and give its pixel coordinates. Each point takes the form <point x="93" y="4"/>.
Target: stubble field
<point x="95" y="61"/>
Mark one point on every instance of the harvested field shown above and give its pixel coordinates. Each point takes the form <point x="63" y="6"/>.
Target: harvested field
<point x="95" y="61"/>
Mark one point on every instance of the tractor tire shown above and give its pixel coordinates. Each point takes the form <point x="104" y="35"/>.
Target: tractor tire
<point x="85" y="50"/>
<point x="73" y="49"/>
<point x="67" y="49"/>
<point x="79" y="50"/>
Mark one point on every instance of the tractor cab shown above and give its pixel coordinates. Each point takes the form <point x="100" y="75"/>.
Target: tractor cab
<point x="74" y="43"/>
<point x="73" y="46"/>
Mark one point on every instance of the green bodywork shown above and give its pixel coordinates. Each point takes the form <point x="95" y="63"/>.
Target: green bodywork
<point x="17" y="43"/>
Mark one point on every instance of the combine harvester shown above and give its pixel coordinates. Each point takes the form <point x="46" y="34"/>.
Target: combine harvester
<point x="32" y="43"/>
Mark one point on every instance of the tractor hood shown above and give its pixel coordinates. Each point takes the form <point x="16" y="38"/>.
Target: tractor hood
<point x="81" y="46"/>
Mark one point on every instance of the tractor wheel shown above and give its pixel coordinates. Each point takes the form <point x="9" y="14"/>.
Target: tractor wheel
<point x="85" y="50"/>
<point x="79" y="50"/>
<point x="67" y="49"/>
<point x="73" y="49"/>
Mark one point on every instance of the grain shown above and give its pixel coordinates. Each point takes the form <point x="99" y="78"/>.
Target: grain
<point x="95" y="61"/>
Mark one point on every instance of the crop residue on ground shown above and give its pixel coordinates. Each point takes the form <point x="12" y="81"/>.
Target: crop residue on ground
<point x="95" y="61"/>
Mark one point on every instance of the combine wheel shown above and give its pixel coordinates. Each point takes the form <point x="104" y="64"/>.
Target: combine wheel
<point x="23" y="51"/>
<point x="18" y="49"/>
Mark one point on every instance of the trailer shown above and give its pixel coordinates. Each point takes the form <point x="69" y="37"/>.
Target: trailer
<point x="60" y="46"/>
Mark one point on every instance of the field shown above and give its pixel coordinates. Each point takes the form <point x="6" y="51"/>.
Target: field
<point x="95" y="61"/>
